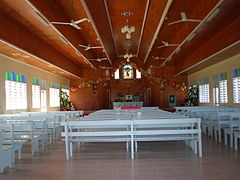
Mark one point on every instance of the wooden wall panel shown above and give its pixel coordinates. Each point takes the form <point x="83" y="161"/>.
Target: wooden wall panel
<point x="85" y="98"/>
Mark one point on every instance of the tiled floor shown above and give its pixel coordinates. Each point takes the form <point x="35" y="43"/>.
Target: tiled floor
<point x="154" y="161"/>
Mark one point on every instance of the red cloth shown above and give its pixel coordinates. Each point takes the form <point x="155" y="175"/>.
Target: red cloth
<point x="133" y="107"/>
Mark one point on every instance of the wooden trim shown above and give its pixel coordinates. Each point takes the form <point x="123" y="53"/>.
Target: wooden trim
<point x="143" y="25"/>
<point x="15" y="47"/>
<point x="215" y="54"/>
<point x="61" y="35"/>
<point x="158" y="28"/>
<point x="109" y="21"/>
<point x="94" y="27"/>
<point x="195" y="29"/>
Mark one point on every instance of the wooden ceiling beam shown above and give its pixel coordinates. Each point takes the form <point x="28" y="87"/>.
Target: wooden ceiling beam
<point x="96" y="11"/>
<point x="54" y="12"/>
<point x="156" y="13"/>
<point x="221" y="33"/>
<point x="15" y="33"/>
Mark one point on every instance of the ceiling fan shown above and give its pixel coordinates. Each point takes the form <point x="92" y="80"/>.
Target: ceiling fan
<point x="166" y="44"/>
<point x="184" y="19"/>
<point x="157" y="58"/>
<point x="98" y="59"/>
<point x="103" y="67"/>
<point x="89" y="47"/>
<point x="73" y="23"/>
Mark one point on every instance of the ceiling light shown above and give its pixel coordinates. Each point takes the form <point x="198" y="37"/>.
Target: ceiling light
<point x="191" y="36"/>
<point x="127" y="13"/>
<point x="170" y="58"/>
<point x="128" y="30"/>
<point x="177" y="50"/>
<point x="213" y="15"/>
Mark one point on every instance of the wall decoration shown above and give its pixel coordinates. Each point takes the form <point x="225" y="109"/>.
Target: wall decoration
<point x="94" y="88"/>
<point x="181" y="87"/>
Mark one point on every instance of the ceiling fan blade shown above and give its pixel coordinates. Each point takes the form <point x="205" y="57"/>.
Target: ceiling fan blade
<point x="165" y="43"/>
<point x="83" y="46"/>
<point x="161" y="46"/>
<point x="102" y="59"/>
<point x="173" y="44"/>
<point x="183" y="16"/>
<point x="75" y="26"/>
<point x="96" y="47"/>
<point x="87" y="48"/>
<point x="193" y="20"/>
<point x="80" y="21"/>
<point x="175" y="22"/>
<point x="61" y="23"/>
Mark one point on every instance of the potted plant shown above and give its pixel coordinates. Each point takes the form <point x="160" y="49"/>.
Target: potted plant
<point x="64" y="101"/>
<point x="120" y="97"/>
<point x="193" y="95"/>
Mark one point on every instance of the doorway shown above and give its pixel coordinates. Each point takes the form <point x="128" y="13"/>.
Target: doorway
<point x="149" y="102"/>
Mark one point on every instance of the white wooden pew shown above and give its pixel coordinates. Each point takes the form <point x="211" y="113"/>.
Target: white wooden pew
<point x="169" y="130"/>
<point x="5" y="154"/>
<point x="40" y="126"/>
<point x="9" y="140"/>
<point x="97" y="131"/>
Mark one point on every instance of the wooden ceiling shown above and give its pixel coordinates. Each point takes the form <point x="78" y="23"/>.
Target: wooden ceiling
<point x="27" y="25"/>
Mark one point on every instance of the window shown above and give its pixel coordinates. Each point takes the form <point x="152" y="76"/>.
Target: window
<point x="116" y="74"/>
<point x="223" y="93"/>
<point x="16" y="91"/>
<point x="204" y="91"/>
<point x="138" y="74"/>
<point x="236" y="85"/>
<point x="35" y="93"/>
<point x="127" y="72"/>
<point x="54" y="95"/>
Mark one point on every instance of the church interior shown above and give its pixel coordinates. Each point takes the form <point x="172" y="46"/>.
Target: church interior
<point x="74" y="70"/>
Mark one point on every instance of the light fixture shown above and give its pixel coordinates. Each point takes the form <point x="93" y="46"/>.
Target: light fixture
<point x="177" y="50"/>
<point x="128" y="30"/>
<point x="191" y="36"/>
<point x="127" y="56"/>
<point x="213" y="15"/>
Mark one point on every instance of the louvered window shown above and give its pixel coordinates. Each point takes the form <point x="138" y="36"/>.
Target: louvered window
<point x="54" y="95"/>
<point x="36" y="93"/>
<point x="204" y="91"/>
<point x="236" y="85"/>
<point x="16" y="91"/>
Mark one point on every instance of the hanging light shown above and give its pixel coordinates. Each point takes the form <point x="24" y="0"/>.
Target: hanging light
<point x="128" y="36"/>
<point x="128" y="30"/>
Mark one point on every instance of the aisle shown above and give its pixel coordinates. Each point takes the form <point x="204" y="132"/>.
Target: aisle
<point x="154" y="161"/>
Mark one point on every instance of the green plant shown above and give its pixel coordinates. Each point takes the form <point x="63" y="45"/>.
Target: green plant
<point x="64" y="101"/>
<point x="120" y="97"/>
<point x="193" y="95"/>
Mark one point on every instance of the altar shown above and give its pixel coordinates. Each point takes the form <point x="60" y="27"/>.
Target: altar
<point x="117" y="105"/>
